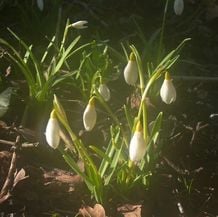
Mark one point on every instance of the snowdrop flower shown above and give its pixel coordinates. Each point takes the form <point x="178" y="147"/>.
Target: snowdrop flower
<point x="131" y="70"/>
<point x="90" y="115"/>
<point x="104" y="91"/>
<point x="52" y="131"/>
<point x="5" y="97"/>
<point x="137" y="147"/>
<point x="40" y="4"/>
<point x="80" y="24"/>
<point x="168" y="91"/>
<point x="178" y="7"/>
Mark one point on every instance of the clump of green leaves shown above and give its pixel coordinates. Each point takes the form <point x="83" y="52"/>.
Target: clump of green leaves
<point x="44" y="73"/>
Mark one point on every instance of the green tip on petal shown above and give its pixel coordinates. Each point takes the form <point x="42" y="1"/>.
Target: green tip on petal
<point x="138" y="127"/>
<point x="132" y="57"/>
<point x="167" y="76"/>
<point x="92" y="101"/>
<point x="53" y="115"/>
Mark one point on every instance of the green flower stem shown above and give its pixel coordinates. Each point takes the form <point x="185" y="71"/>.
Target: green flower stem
<point x="92" y="178"/>
<point x="64" y="36"/>
<point x="73" y="164"/>
<point x="140" y="68"/>
<point x="145" y="121"/>
<point x="142" y="87"/>
<point x="153" y="78"/>
<point x="112" y="115"/>
<point x="162" y="32"/>
<point x="78" y="144"/>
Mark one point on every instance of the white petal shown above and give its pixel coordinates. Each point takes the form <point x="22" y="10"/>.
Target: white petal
<point x="104" y="91"/>
<point x="168" y="92"/>
<point x="40" y="4"/>
<point x="80" y="24"/>
<point x="137" y="147"/>
<point x="89" y="117"/>
<point x="178" y="7"/>
<point x="131" y="72"/>
<point x="52" y="133"/>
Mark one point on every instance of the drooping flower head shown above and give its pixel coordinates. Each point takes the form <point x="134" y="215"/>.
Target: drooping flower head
<point x="90" y="115"/>
<point x="52" y="132"/>
<point x="168" y="91"/>
<point x="40" y="4"/>
<point x="80" y="24"/>
<point x="178" y="7"/>
<point x="104" y="90"/>
<point x="131" y="70"/>
<point x="137" y="147"/>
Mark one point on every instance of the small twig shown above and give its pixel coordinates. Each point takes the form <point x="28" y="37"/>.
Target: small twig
<point x="23" y="145"/>
<point x="176" y="168"/>
<point x="196" y="78"/>
<point x="5" y="191"/>
<point x="195" y="130"/>
<point x="7" y="142"/>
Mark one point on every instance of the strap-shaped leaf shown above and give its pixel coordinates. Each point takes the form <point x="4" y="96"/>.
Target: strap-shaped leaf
<point x="65" y="54"/>
<point x="100" y="153"/>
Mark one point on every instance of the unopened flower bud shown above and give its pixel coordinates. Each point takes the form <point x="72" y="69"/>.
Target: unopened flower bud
<point x="104" y="91"/>
<point x="40" y="4"/>
<point x="80" y="24"/>
<point x="137" y="147"/>
<point x="178" y="7"/>
<point x="52" y="132"/>
<point x="168" y="91"/>
<point x="131" y="70"/>
<point x="90" y="115"/>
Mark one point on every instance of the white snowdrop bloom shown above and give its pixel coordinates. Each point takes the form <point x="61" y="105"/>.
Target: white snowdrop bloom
<point x="5" y="97"/>
<point x="131" y="70"/>
<point x="104" y="91"/>
<point x="168" y="91"/>
<point x="80" y="24"/>
<point x="52" y="132"/>
<point x="137" y="147"/>
<point x="178" y="7"/>
<point x="40" y="4"/>
<point x="90" y="115"/>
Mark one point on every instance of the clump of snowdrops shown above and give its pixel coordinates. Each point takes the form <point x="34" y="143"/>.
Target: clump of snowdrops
<point x="127" y="157"/>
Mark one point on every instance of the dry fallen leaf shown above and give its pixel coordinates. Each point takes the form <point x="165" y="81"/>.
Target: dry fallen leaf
<point x="97" y="211"/>
<point x="4" y="197"/>
<point x="129" y="210"/>
<point x="20" y="175"/>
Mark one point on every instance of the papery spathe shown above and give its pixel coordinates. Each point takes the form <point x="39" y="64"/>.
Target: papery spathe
<point x="168" y="91"/>
<point x="104" y="91"/>
<point x="52" y="132"/>
<point x="178" y="7"/>
<point x="90" y="115"/>
<point x="137" y="147"/>
<point x="80" y="24"/>
<point x="131" y="70"/>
